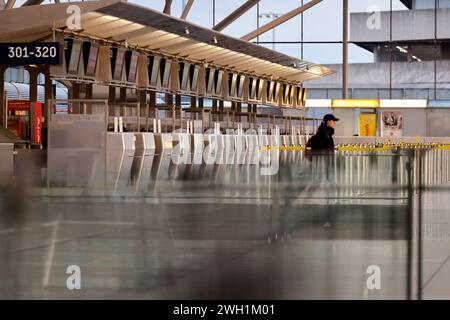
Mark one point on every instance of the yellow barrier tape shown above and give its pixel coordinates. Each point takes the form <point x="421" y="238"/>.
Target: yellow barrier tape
<point x="364" y="148"/>
<point x="289" y="148"/>
<point x="377" y="147"/>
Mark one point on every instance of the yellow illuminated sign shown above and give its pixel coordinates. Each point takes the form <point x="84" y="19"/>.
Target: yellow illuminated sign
<point x="367" y="125"/>
<point x="355" y="103"/>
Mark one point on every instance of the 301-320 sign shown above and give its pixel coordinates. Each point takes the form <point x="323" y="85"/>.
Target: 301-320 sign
<point x="14" y="54"/>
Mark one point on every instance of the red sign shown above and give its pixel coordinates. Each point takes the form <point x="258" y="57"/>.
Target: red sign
<point x="19" y="105"/>
<point x="37" y="134"/>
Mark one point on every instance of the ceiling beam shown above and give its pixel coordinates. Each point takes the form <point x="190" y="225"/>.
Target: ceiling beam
<point x="167" y="7"/>
<point x="32" y="2"/>
<point x="280" y="20"/>
<point x="186" y="9"/>
<point x="10" y="4"/>
<point x="235" y="15"/>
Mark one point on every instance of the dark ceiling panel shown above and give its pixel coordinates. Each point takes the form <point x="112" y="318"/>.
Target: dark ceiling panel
<point x="407" y="3"/>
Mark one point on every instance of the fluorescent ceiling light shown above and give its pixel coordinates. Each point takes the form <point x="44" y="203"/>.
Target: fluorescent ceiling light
<point x="403" y="103"/>
<point x="318" y="103"/>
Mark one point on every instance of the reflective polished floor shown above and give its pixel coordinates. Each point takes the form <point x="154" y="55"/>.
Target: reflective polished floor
<point x="263" y="225"/>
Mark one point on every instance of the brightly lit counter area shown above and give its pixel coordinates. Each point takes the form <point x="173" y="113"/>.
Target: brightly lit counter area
<point x="383" y="121"/>
<point x="155" y="81"/>
<point x="164" y="96"/>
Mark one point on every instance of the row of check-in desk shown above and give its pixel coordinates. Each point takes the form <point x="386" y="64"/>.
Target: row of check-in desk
<point x="185" y="142"/>
<point x="6" y="162"/>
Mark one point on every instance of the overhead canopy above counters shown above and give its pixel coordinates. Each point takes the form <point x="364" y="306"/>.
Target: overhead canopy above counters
<point x="143" y="28"/>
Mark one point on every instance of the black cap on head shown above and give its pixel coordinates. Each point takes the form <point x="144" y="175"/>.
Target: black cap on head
<point x="328" y="117"/>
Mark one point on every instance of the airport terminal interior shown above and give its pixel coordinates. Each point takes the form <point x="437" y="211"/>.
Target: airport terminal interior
<point x="175" y="149"/>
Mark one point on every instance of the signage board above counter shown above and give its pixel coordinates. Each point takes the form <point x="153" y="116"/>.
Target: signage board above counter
<point x="403" y="103"/>
<point x="367" y="103"/>
<point x="355" y="103"/>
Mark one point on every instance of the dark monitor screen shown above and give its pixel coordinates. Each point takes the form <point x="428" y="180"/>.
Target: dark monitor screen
<point x="75" y="54"/>
<point x="277" y="92"/>
<point x="131" y="65"/>
<point x="232" y="79"/>
<point x="67" y="49"/>
<point x="165" y="72"/>
<point x="252" y="83"/>
<point x="260" y="89"/>
<point x="299" y="96"/>
<point x="292" y="95"/>
<point x="270" y="87"/>
<point x="90" y="52"/>
<point x="286" y="89"/>
<point x="117" y="61"/>
<point x="302" y="95"/>
<point x="193" y="71"/>
<point x="240" y="89"/>
<point x="184" y="75"/>
<point x="210" y="80"/>
<point x="218" y="77"/>
<point x="153" y="69"/>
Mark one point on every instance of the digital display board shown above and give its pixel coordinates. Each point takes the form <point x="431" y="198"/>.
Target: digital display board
<point x="73" y="54"/>
<point x="117" y="62"/>
<point x="153" y="69"/>
<point x="277" y="92"/>
<point x="131" y="63"/>
<point x="209" y="74"/>
<point x="184" y="72"/>
<point x="165" y="72"/>
<point x="232" y="81"/>
<point x="286" y="90"/>
<point x="218" y="80"/>
<point x="270" y="88"/>
<point x="193" y="77"/>
<point x="252" y="83"/>
<point x="301" y="96"/>
<point x="292" y="95"/>
<point x="90" y="55"/>
<point x="260" y="89"/>
<point x="240" y="89"/>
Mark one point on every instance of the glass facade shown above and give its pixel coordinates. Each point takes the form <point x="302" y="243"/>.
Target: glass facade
<point x="397" y="48"/>
<point x="430" y="4"/>
<point x="395" y="51"/>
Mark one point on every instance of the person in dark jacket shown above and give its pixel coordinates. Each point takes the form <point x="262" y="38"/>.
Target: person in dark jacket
<point x="323" y="139"/>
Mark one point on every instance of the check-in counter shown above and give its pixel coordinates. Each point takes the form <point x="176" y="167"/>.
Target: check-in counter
<point x="163" y="141"/>
<point x="229" y="142"/>
<point x="121" y="141"/>
<point x="7" y="158"/>
<point x="220" y="142"/>
<point x="302" y="140"/>
<point x="210" y="140"/>
<point x="239" y="143"/>
<point x="197" y="142"/>
<point x="181" y="141"/>
<point x="286" y="141"/>
<point x="263" y="140"/>
<point x="144" y="141"/>
<point x="251" y="142"/>
<point x="274" y="140"/>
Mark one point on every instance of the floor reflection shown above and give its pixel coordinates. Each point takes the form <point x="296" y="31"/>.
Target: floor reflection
<point x="262" y="225"/>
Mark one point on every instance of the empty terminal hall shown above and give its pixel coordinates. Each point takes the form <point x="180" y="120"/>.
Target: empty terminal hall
<point x="208" y="150"/>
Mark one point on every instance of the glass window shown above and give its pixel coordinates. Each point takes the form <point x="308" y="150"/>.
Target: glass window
<point x="365" y="94"/>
